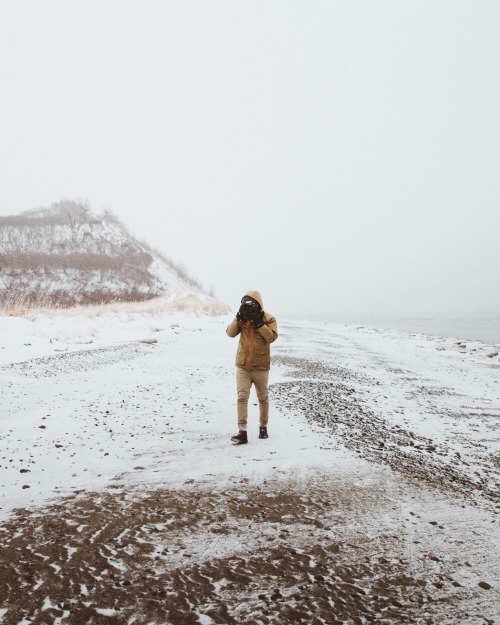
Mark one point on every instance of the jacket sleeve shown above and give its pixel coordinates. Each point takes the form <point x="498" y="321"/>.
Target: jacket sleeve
<point x="269" y="330"/>
<point x="233" y="329"/>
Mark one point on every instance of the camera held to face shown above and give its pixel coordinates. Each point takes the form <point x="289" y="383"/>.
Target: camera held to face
<point x="249" y="311"/>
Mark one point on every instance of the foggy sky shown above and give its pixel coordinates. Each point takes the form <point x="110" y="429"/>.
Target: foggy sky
<point x="337" y="156"/>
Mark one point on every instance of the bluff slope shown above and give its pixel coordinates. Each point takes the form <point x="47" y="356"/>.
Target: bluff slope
<point x="66" y="255"/>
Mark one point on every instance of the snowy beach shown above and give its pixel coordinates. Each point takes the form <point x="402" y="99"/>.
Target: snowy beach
<point x="375" y="499"/>
<point x="318" y="181"/>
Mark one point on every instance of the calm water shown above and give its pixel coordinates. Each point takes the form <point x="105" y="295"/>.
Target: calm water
<point x="474" y="327"/>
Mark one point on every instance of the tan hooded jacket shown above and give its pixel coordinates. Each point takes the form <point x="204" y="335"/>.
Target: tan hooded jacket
<point x="254" y="350"/>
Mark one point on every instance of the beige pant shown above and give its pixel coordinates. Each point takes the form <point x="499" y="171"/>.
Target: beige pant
<point x="244" y="380"/>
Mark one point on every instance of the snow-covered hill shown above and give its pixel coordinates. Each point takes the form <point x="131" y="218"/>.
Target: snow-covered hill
<point x="66" y="255"/>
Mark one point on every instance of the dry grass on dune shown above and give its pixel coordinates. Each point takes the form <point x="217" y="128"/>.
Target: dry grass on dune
<point x="193" y="302"/>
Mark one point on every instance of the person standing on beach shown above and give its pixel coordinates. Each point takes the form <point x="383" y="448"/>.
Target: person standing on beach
<point x="257" y="330"/>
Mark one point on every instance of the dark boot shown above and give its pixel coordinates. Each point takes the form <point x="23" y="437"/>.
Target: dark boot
<point x="263" y="432"/>
<point x="240" y="438"/>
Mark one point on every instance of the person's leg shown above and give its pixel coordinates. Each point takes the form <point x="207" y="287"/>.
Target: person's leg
<point x="243" y="386"/>
<point x="260" y="378"/>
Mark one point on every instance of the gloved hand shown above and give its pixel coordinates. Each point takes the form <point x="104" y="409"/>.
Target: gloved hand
<point x="258" y="320"/>
<point x="242" y="314"/>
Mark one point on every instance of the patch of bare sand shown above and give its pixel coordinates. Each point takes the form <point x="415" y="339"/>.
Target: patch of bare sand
<point x="318" y="551"/>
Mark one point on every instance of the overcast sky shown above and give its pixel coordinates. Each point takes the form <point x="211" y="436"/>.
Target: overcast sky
<point x="337" y="156"/>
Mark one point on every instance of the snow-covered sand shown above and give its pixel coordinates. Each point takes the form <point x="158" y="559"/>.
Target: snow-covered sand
<point x="82" y="414"/>
<point x="86" y="406"/>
